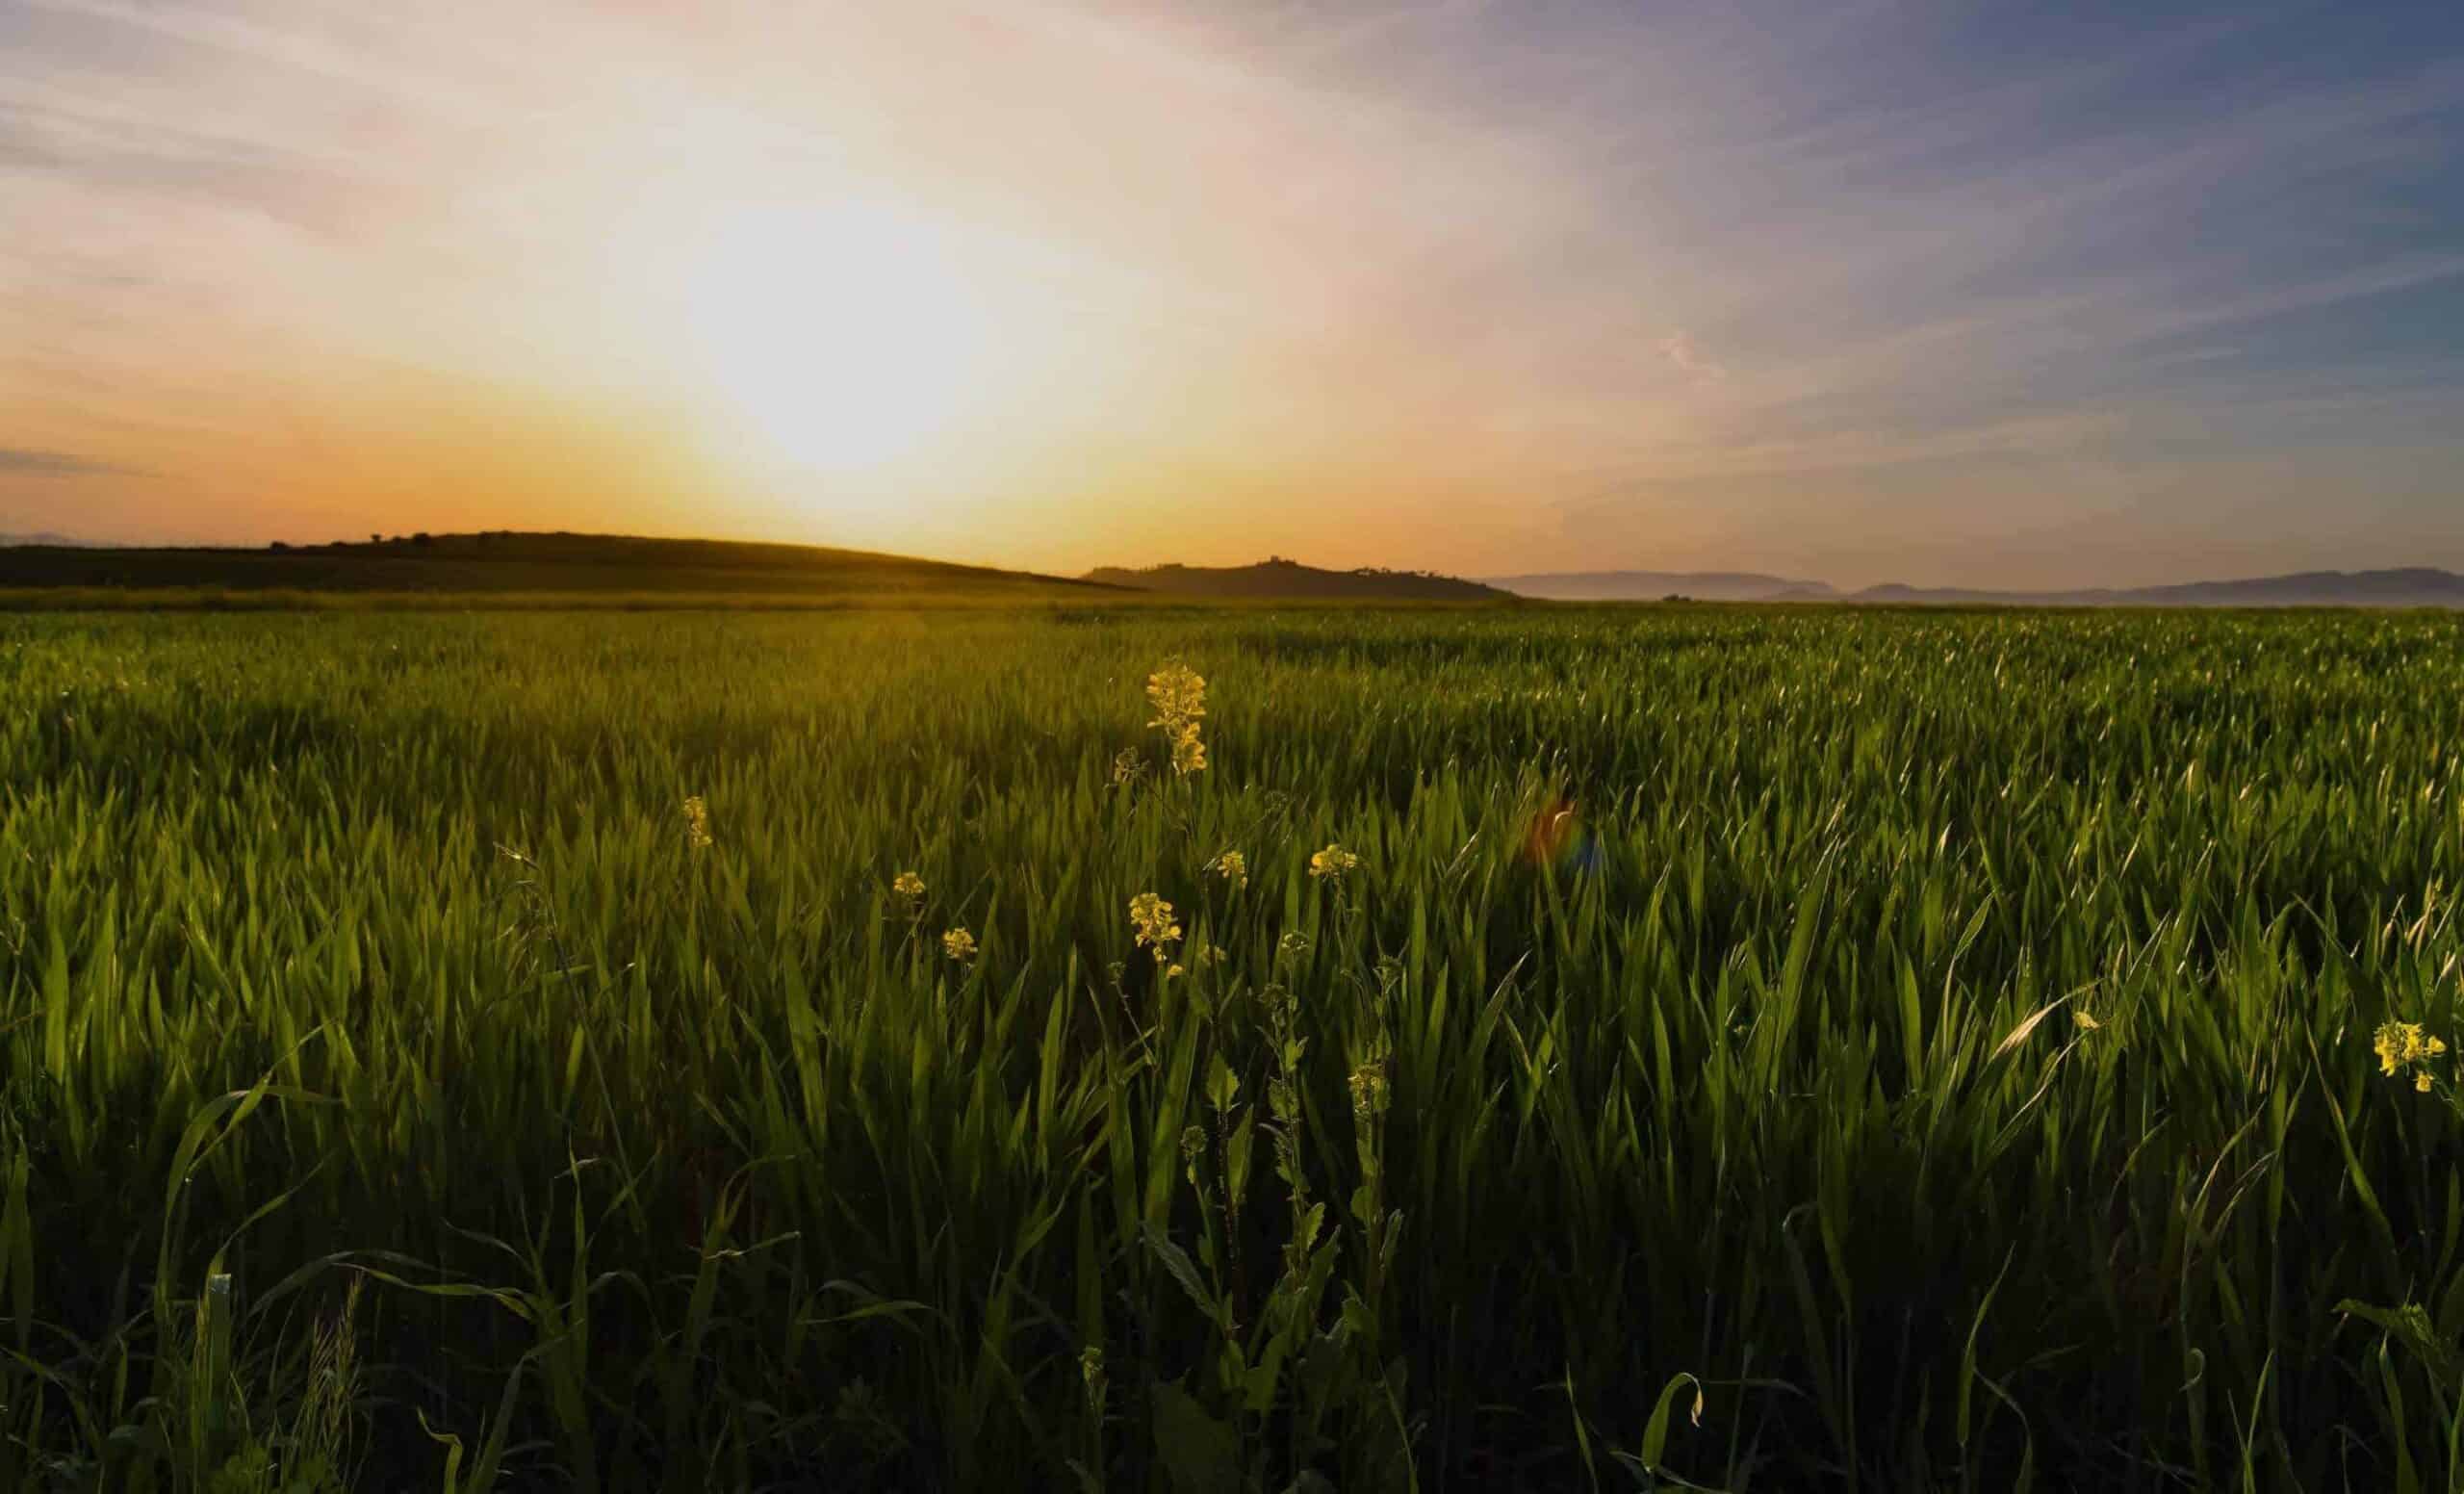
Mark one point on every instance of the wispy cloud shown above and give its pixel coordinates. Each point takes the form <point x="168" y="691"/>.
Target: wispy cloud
<point x="304" y="42"/>
<point x="1678" y="349"/>
<point x="18" y="460"/>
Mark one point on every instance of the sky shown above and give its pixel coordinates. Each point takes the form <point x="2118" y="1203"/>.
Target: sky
<point x="2012" y="294"/>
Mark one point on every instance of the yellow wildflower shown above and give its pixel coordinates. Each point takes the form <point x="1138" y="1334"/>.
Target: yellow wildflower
<point x="959" y="944"/>
<point x="697" y="823"/>
<point x="907" y="885"/>
<point x="1178" y="694"/>
<point x="1368" y="1090"/>
<point x="2084" y="1023"/>
<point x="1233" y="867"/>
<point x="1333" y="861"/>
<point x="2397" y="1044"/>
<point x="2404" y="1045"/>
<point x="1152" y="918"/>
<point x="1189" y="754"/>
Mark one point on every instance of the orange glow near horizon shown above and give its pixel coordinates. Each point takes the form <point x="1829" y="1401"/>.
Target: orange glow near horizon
<point x="1027" y="287"/>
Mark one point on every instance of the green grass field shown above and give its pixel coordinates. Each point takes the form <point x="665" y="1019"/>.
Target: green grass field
<point x="1936" y="1052"/>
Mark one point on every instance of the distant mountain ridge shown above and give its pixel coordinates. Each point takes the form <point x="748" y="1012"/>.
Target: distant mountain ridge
<point x="1654" y="585"/>
<point x="1285" y="579"/>
<point x="2411" y="586"/>
<point x="2403" y="587"/>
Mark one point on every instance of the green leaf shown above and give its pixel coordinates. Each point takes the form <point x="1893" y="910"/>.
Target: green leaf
<point x="1223" y="1085"/>
<point x="1236" y="1157"/>
<point x="1201" y="1454"/>
<point x="1968" y="1356"/>
<point x="1177" y="1261"/>
<point x="1656" y="1430"/>
<point x="2410" y="1326"/>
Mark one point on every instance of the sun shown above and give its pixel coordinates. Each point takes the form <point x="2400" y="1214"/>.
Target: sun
<point x="843" y="334"/>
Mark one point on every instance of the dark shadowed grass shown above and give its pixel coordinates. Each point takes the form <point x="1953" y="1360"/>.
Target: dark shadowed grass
<point x="1946" y="1037"/>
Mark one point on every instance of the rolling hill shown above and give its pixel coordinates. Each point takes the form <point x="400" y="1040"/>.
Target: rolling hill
<point x="501" y="564"/>
<point x="1654" y="585"/>
<point x="1280" y="579"/>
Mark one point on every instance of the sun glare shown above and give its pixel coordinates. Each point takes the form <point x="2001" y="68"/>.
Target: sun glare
<point x="844" y="335"/>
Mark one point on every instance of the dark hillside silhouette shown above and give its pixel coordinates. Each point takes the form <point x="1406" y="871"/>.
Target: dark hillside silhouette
<point x="1288" y="580"/>
<point x="502" y="562"/>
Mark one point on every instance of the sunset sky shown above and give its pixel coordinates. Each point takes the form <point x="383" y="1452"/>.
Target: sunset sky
<point x="2011" y="295"/>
